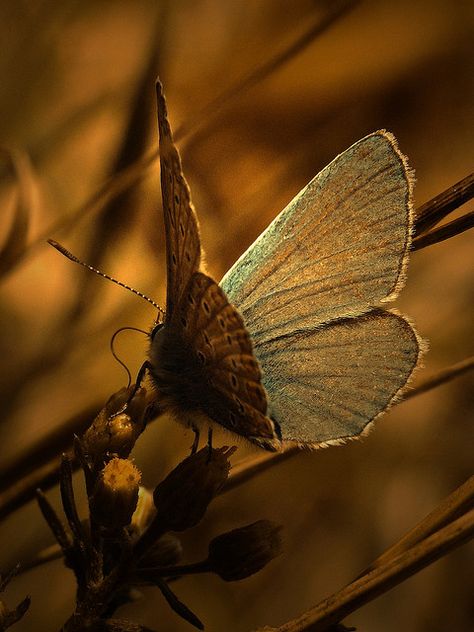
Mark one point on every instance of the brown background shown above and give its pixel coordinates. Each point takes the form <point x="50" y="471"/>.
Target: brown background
<point x="72" y="74"/>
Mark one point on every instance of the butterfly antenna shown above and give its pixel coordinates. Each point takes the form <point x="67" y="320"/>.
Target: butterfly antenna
<point x="70" y="256"/>
<point x="112" y="349"/>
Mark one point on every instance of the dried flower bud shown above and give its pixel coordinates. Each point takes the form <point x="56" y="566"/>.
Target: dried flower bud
<point x="143" y="514"/>
<point x="243" y="552"/>
<point x="115" y="494"/>
<point x="166" y="551"/>
<point x="182" y="498"/>
<point x="10" y="617"/>
<point x="116" y="434"/>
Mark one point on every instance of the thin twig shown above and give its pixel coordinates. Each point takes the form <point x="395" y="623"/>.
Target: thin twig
<point x="452" y="507"/>
<point x="451" y="229"/>
<point x="441" y="377"/>
<point x="381" y="579"/>
<point x="433" y="211"/>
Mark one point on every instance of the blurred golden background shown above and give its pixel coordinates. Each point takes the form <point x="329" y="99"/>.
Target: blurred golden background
<point x="77" y="99"/>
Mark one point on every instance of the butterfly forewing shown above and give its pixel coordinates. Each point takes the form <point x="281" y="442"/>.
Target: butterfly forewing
<point x="202" y="359"/>
<point x="328" y="384"/>
<point x="337" y="250"/>
<point x="183" y="249"/>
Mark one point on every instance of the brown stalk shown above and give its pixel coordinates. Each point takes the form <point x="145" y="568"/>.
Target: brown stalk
<point x="441" y="377"/>
<point x="451" y="229"/>
<point x="433" y="211"/>
<point x="378" y="581"/>
<point x="458" y="503"/>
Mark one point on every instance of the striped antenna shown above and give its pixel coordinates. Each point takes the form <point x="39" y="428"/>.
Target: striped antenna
<point x="70" y="256"/>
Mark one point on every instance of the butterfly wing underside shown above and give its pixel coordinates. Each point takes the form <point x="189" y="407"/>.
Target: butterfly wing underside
<point x="327" y="385"/>
<point x="311" y="289"/>
<point x="337" y="250"/>
<point x="183" y="246"/>
<point x="226" y="383"/>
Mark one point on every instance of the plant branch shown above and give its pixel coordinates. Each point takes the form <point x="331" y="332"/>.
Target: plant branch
<point x="451" y="229"/>
<point x="441" y="377"/>
<point x="342" y="603"/>
<point x="433" y="211"/>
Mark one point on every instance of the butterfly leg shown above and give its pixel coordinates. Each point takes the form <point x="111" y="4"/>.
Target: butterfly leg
<point x="209" y="443"/>
<point x="195" y="444"/>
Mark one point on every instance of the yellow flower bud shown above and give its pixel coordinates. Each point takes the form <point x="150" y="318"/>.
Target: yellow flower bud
<point x="115" y="494"/>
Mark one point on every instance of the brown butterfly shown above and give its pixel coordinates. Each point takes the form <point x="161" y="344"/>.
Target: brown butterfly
<point x="201" y="357"/>
<point x="312" y="291"/>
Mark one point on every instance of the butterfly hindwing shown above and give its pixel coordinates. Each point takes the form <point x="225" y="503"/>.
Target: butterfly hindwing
<point x="338" y="250"/>
<point x="229" y="379"/>
<point x="183" y="249"/>
<point x="328" y="384"/>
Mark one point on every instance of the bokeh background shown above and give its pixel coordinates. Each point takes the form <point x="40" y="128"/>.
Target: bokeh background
<point x="77" y="105"/>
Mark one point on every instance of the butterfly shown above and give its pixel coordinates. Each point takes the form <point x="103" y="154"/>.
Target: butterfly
<point x="295" y="343"/>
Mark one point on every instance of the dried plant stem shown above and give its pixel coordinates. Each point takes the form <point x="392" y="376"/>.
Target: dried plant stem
<point x="249" y="469"/>
<point x="452" y="507"/>
<point x="441" y="377"/>
<point x="381" y="579"/>
<point x="451" y="229"/>
<point x="22" y="491"/>
<point x="433" y="211"/>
